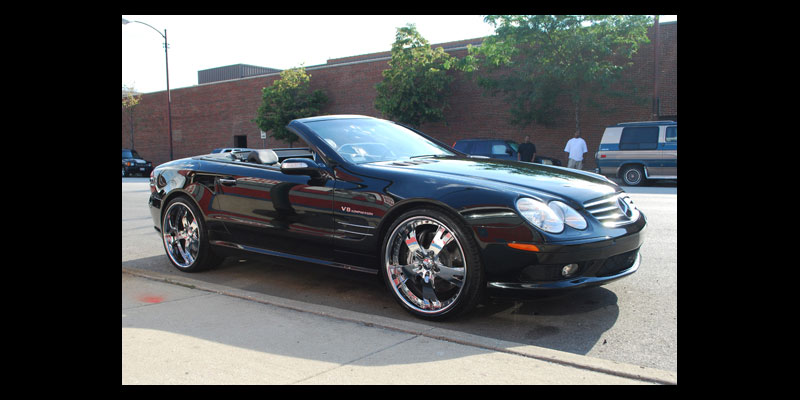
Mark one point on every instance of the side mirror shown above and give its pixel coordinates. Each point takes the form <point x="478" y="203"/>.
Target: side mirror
<point x="301" y="166"/>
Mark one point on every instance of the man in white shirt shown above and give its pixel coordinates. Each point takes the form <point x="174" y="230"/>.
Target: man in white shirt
<point x="576" y="147"/>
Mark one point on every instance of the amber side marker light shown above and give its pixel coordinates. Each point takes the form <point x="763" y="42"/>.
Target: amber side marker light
<point x="523" y="246"/>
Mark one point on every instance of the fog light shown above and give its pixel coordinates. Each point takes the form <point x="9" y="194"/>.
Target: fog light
<point x="569" y="270"/>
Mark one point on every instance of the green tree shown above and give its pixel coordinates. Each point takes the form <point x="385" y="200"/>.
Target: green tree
<point x="130" y="99"/>
<point x="414" y="89"/>
<point x="535" y="59"/>
<point x="288" y="98"/>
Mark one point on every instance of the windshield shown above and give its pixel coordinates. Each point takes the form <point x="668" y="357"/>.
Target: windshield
<point x="130" y="154"/>
<point x="369" y="140"/>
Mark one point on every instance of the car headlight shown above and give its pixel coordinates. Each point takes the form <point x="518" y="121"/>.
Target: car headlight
<point x="540" y="215"/>
<point x="551" y="217"/>
<point x="568" y="215"/>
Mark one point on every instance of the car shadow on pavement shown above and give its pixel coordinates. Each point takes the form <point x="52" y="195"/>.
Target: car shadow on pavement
<point x="573" y="322"/>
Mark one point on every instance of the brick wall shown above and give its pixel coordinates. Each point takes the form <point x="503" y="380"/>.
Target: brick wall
<point x="209" y="116"/>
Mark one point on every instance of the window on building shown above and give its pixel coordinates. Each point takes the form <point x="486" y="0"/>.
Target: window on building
<point x="240" y="141"/>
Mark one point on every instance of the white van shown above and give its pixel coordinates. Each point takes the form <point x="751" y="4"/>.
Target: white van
<point x="639" y="151"/>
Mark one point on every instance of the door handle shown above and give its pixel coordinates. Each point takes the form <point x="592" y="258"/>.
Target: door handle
<point x="227" y="182"/>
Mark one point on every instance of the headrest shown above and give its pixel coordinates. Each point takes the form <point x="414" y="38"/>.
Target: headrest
<point x="265" y="156"/>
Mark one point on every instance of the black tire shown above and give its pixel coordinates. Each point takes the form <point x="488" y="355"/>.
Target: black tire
<point x="437" y="275"/>
<point x="633" y="175"/>
<point x="185" y="237"/>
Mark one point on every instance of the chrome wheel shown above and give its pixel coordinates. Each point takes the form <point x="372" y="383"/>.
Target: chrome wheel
<point x="181" y="235"/>
<point x="425" y="265"/>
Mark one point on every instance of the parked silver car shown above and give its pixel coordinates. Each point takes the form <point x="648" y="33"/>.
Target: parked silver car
<point x="230" y="149"/>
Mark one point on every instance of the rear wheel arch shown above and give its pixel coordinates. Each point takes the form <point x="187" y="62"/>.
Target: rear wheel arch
<point x="624" y="168"/>
<point x="629" y="164"/>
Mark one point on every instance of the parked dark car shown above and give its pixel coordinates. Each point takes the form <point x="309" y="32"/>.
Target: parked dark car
<point x="440" y="227"/>
<point x="500" y="149"/>
<point x="134" y="164"/>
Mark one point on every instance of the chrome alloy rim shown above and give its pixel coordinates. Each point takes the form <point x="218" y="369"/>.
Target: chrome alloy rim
<point x="181" y="235"/>
<point x="425" y="264"/>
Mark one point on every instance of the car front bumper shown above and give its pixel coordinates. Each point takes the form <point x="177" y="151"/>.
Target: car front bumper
<point x="598" y="262"/>
<point x="584" y="280"/>
<point x="137" y="169"/>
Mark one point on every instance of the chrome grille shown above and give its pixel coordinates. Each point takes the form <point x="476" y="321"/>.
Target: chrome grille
<point x="613" y="210"/>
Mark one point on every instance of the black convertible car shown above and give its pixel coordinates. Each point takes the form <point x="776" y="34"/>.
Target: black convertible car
<point x="371" y="195"/>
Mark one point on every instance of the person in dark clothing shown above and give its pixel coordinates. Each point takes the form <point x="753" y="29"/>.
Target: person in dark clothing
<point x="527" y="151"/>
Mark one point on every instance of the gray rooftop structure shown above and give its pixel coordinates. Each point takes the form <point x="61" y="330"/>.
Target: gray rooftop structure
<point x="229" y="72"/>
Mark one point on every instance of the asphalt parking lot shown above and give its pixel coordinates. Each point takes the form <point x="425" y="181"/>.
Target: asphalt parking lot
<point x="632" y="321"/>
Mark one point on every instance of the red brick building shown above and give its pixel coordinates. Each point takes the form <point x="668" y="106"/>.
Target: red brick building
<point x="213" y="115"/>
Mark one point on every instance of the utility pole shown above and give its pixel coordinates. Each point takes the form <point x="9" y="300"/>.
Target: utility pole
<point x="656" y="99"/>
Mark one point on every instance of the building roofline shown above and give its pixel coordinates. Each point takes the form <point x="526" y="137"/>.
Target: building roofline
<point x="369" y="57"/>
<point x="447" y="46"/>
<point x="356" y="59"/>
<point x="236" y="65"/>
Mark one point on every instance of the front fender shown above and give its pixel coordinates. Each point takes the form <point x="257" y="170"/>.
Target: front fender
<point x="177" y="178"/>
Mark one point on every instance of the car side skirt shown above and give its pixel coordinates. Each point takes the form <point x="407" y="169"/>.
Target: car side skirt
<point x="272" y="253"/>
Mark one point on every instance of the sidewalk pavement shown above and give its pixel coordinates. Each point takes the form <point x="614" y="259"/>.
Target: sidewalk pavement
<point x="177" y="330"/>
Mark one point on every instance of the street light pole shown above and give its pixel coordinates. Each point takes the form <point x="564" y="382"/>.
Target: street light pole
<point x="656" y="69"/>
<point x="169" y="95"/>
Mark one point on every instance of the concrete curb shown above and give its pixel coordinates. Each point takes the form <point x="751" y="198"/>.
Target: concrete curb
<point x="644" y="374"/>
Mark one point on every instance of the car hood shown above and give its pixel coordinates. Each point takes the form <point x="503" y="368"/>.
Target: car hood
<point x="136" y="160"/>
<point x="572" y="184"/>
